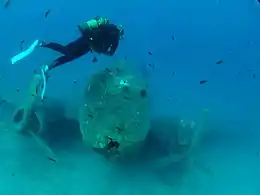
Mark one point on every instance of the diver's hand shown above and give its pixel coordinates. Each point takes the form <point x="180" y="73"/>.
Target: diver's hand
<point x="45" y="69"/>
<point x="42" y="43"/>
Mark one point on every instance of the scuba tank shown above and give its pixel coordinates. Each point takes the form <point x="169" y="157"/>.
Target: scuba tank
<point x="93" y="24"/>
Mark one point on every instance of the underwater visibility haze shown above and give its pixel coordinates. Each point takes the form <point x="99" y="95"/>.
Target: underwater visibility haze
<point x="130" y="97"/>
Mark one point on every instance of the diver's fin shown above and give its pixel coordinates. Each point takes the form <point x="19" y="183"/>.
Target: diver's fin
<point x="44" y="84"/>
<point x="25" y="53"/>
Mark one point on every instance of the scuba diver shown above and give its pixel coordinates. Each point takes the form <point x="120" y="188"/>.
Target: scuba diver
<point x="97" y="35"/>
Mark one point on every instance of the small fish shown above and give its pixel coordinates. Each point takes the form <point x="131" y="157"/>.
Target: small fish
<point x="51" y="159"/>
<point x="203" y="81"/>
<point x="107" y="70"/>
<point x="94" y="60"/>
<point x="119" y="129"/>
<point x="75" y="81"/>
<point x="6" y="3"/>
<point x="173" y="73"/>
<point x="143" y="93"/>
<point x="125" y="57"/>
<point x="254" y="76"/>
<point x="150" y="53"/>
<point x="90" y="116"/>
<point x="21" y="45"/>
<point x="47" y="13"/>
<point x="219" y="62"/>
<point x="17" y="90"/>
<point x="151" y="65"/>
<point x="37" y="90"/>
<point x="173" y="38"/>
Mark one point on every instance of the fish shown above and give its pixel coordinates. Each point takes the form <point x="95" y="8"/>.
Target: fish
<point x="21" y="45"/>
<point x="119" y="129"/>
<point x="151" y="65"/>
<point x="94" y="60"/>
<point x="254" y="76"/>
<point x="219" y="62"/>
<point x="150" y="53"/>
<point x="51" y="159"/>
<point x="90" y="116"/>
<point x="107" y="70"/>
<point x="173" y="73"/>
<point x="203" y="81"/>
<point x="173" y="38"/>
<point x="6" y="3"/>
<point x="47" y="13"/>
<point x="143" y="93"/>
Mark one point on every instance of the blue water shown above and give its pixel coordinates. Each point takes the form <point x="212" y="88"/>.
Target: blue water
<point x="205" y="32"/>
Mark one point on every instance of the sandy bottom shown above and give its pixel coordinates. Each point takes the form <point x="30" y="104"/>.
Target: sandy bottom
<point x="25" y="170"/>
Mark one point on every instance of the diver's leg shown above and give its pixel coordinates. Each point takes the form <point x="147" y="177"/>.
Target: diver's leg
<point x="54" y="46"/>
<point x="78" y="47"/>
<point x="61" y="60"/>
<point x="73" y="48"/>
<point x="71" y="51"/>
<point x="65" y="59"/>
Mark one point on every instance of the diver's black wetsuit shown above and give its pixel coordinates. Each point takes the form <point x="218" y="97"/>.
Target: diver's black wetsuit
<point x="103" y="40"/>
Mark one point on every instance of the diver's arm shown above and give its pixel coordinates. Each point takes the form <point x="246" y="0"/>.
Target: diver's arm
<point x="112" y="38"/>
<point x="112" y="49"/>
